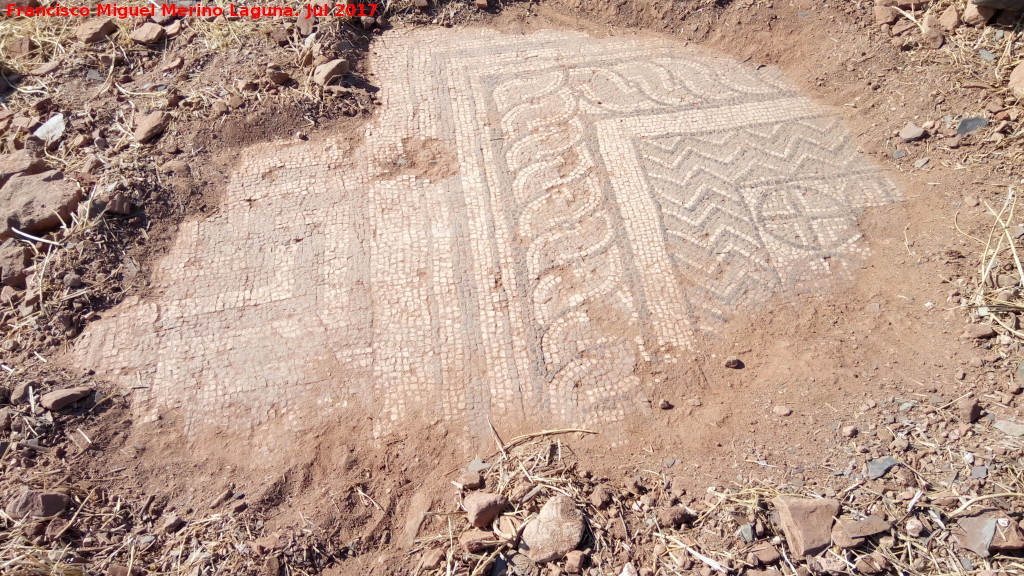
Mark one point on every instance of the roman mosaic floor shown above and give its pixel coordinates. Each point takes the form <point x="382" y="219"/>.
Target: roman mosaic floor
<point x="529" y="224"/>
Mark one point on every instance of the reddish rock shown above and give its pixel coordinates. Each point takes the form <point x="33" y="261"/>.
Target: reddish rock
<point x="36" y="503"/>
<point x="469" y="480"/>
<point x="931" y="33"/>
<point x="119" y="570"/>
<point x="58" y="399"/>
<point x="989" y="531"/>
<point x="767" y="554"/>
<point x="969" y="410"/>
<point x="148" y="33"/>
<point x="324" y="73"/>
<point x="95" y="30"/>
<point x="556" y="531"/>
<point x="841" y="537"/>
<point x="21" y="46"/>
<point x="151" y="126"/>
<point x="601" y="497"/>
<point x="21" y="392"/>
<point x="807" y="523"/>
<point x="481" y="4"/>
<point x="305" y="25"/>
<point x="1016" y="83"/>
<point x="978" y="332"/>
<point x="672" y="516"/>
<point x="976" y="15"/>
<point x="874" y="563"/>
<point x="473" y="541"/>
<point x="173" y="29"/>
<point x="885" y="15"/>
<point x="119" y="205"/>
<point x="37" y="203"/>
<point x="949" y="19"/>
<point x="482" y="507"/>
<point x="14" y="257"/>
<point x="20" y="162"/>
<point x="867" y="527"/>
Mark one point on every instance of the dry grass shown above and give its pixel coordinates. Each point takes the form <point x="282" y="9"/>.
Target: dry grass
<point x="628" y="530"/>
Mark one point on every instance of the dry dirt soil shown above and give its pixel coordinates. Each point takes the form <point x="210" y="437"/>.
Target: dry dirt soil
<point x="858" y="353"/>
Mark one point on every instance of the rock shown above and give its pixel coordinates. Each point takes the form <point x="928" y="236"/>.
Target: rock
<point x="20" y="162"/>
<point x="733" y="362"/>
<point x="37" y="203"/>
<point x="119" y="205"/>
<point x="367" y="22"/>
<point x="885" y="15"/>
<point x="975" y="15"/>
<point x="874" y="563"/>
<point x="672" y="516"/>
<point x="52" y="130"/>
<point x="1016" y="83"/>
<point x="148" y="33"/>
<point x="806" y="522"/>
<point x="782" y="410"/>
<point x="179" y="167"/>
<point x="912" y="132"/>
<point x="880" y="467"/>
<point x="431" y="559"/>
<point x="978" y="332"/>
<point x="931" y="33"/>
<point x="914" y="527"/>
<point x="628" y="570"/>
<point x="1010" y="5"/>
<point x="849" y="431"/>
<point x="470" y="480"/>
<point x="58" y="399"/>
<point x="601" y="497"/>
<point x="36" y="503"/>
<point x="989" y="530"/>
<point x="171" y="524"/>
<point x="278" y="76"/>
<point x="867" y="527"/>
<point x="968" y="125"/>
<point x="173" y="29"/>
<point x="478" y="465"/>
<point x="151" y="126"/>
<point x="1004" y="426"/>
<point x="421" y="5"/>
<point x="119" y="570"/>
<point x="235" y="101"/>
<point x="969" y="410"/>
<point x="481" y="4"/>
<point x="304" y="25"/>
<point x="574" y="561"/>
<point x="841" y="537"/>
<point x="473" y="541"/>
<point x="556" y="531"/>
<point x="21" y="392"/>
<point x="95" y="30"/>
<point x="767" y="554"/>
<point x="324" y="73"/>
<point x="22" y="46"/>
<point x="6" y="417"/>
<point x="482" y="507"/>
<point x="949" y="19"/>
<point x="665" y="404"/>
<point x="14" y="257"/>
